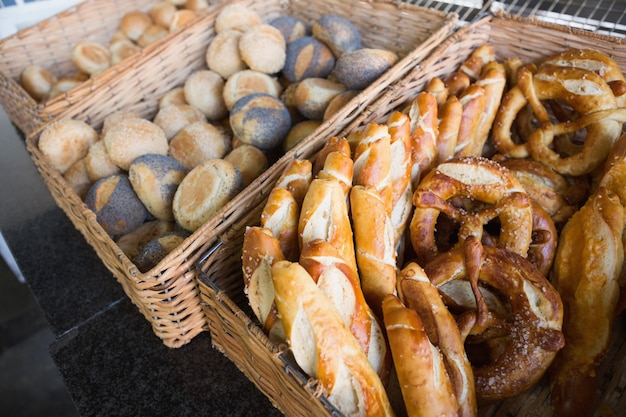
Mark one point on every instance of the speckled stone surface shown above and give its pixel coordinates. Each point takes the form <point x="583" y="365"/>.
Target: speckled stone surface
<point x="110" y="360"/>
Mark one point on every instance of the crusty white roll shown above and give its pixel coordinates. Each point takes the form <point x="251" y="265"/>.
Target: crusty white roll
<point x="152" y="34"/>
<point x="98" y="163"/>
<point x="247" y="81"/>
<point x="173" y="118"/>
<point x="77" y="177"/>
<point x="249" y="160"/>
<point x="260" y="250"/>
<point x="323" y="345"/>
<point x="375" y="245"/>
<point x="314" y="94"/>
<point x="182" y="18"/>
<point x="199" y="142"/>
<point x="222" y="55"/>
<point x="343" y="288"/>
<point x="122" y="49"/>
<point x="37" y="81"/>
<point x="65" y="141"/>
<point x="204" y="89"/>
<point x="91" y="57"/>
<point x="162" y="13"/>
<point x="263" y="48"/>
<point x="416" y="292"/>
<point x="236" y="16"/>
<point x="134" y="23"/>
<point x="324" y="215"/>
<point x="425" y="385"/>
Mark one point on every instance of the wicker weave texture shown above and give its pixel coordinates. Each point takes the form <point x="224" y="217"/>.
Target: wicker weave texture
<point x="220" y="276"/>
<point x="168" y="295"/>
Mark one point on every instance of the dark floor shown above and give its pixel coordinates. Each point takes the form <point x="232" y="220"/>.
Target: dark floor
<point x="30" y="384"/>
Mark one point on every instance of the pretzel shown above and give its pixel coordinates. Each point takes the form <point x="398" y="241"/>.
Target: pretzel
<point x="473" y="101"/>
<point x="487" y="190"/>
<point x="450" y="114"/>
<point x="423" y="113"/>
<point x="504" y="304"/>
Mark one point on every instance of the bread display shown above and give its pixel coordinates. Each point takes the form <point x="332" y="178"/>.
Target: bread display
<point x="492" y="270"/>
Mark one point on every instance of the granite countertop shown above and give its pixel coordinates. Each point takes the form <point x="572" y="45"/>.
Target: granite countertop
<point x="110" y="360"/>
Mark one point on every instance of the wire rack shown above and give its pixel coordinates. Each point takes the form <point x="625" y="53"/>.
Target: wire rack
<point x="607" y="17"/>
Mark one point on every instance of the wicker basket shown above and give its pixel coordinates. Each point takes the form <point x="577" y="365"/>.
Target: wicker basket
<point x="234" y="328"/>
<point x="49" y="45"/>
<point x="168" y="295"/>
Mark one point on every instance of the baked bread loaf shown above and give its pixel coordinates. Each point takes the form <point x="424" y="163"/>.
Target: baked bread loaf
<point x="155" y="179"/>
<point x="260" y="120"/>
<point x="116" y="205"/>
<point x="133" y="137"/>
<point x="298" y="132"/>
<point x="199" y="142"/>
<point x="65" y="141"/>
<point x="113" y="118"/>
<point x="152" y="34"/>
<point x="174" y="96"/>
<point x="204" y="191"/>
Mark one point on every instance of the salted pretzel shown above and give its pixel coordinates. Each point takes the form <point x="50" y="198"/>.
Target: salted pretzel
<point x="504" y="306"/>
<point x="585" y="92"/>
<point x="472" y="192"/>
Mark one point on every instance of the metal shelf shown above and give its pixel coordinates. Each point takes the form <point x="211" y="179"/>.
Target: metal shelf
<point x="604" y="17"/>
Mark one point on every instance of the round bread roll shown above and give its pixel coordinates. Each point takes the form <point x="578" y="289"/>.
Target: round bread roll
<point x="300" y="131"/>
<point x="122" y="49"/>
<point x="249" y="160"/>
<point x="130" y="138"/>
<point x="118" y="209"/>
<point x="197" y="5"/>
<point x="288" y="97"/>
<point x="313" y="95"/>
<point x="155" y="250"/>
<point x="118" y="35"/>
<point x="204" y="191"/>
<point x="260" y="120"/>
<point x="199" y="142"/>
<point x="134" y="24"/>
<point x="338" y="33"/>
<point x="222" y="55"/>
<point x="236" y="16"/>
<point x="91" y="57"/>
<point x="307" y="57"/>
<point x="358" y="69"/>
<point x="182" y="18"/>
<point x="263" y="48"/>
<point x="78" y="179"/>
<point x="37" y="81"/>
<point x="65" y="141"/>
<point x="98" y="163"/>
<point x="152" y="34"/>
<point x="174" y="117"/>
<point x="132" y="242"/>
<point x="63" y="85"/>
<point x="248" y="82"/>
<point x="290" y="27"/>
<point x="114" y="118"/>
<point x="338" y="102"/>
<point x="155" y="179"/>
<point x="204" y="89"/>
<point x="162" y="13"/>
<point x="174" y="96"/>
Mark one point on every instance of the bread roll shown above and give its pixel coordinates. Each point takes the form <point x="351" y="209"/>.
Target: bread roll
<point x="173" y="118"/>
<point x="263" y="48"/>
<point x="132" y="242"/>
<point x="118" y="209"/>
<point x="197" y="5"/>
<point x="91" y="57"/>
<point x="246" y="82"/>
<point x="307" y="57"/>
<point x="152" y="34"/>
<point x="134" y="24"/>
<point x="155" y="250"/>
<point x="360" y="68"/>
<point x="204" y="89"/>
<point x="175" y="96"/>
<point x="249" y="160"/>
<point x="291" y="27"/>
<point x="298" y="132"/>
<point x="37" y="81"/>
<point x="204" y="191"/>
<point x="155" y="179"/>
<point x="314" y="94"/>
<point x="337" y="102"/>
<point x="114" y="118"/>
<point x="182" y="18"/>
<point x="338" y="33"/>
<point x="131" y="138"/>
<point x="65" y="141"/>
<point x="236" y="16"/>
<point x="122" y="49"/>
<point x="199" y="142"/>
<point x="162" y="13"/>
<point x="98" y="163"/>
<point x="222" y="55"/>
<point x="62" y="86"/>
<point x="77" y="178"/>
<point x="260" y="120"/>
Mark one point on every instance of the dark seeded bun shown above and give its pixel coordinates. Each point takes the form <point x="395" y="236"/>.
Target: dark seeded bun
<point x="65" y="141"/>
<point x="199" y="142"/>
<point x="155" y="250"/>
<point x="155" y="179"/>
<point x="358" y="69"/>
<point x="204" y="191"/>
<point x="290" y="27"/>
<point x="338" y="33"/>
<point x="307" y="57"/>
<point x="116" y="205"/>
<point x="260" y="120"/>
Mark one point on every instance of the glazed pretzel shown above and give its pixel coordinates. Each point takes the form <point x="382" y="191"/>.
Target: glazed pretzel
<point x="486" y="191"/>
